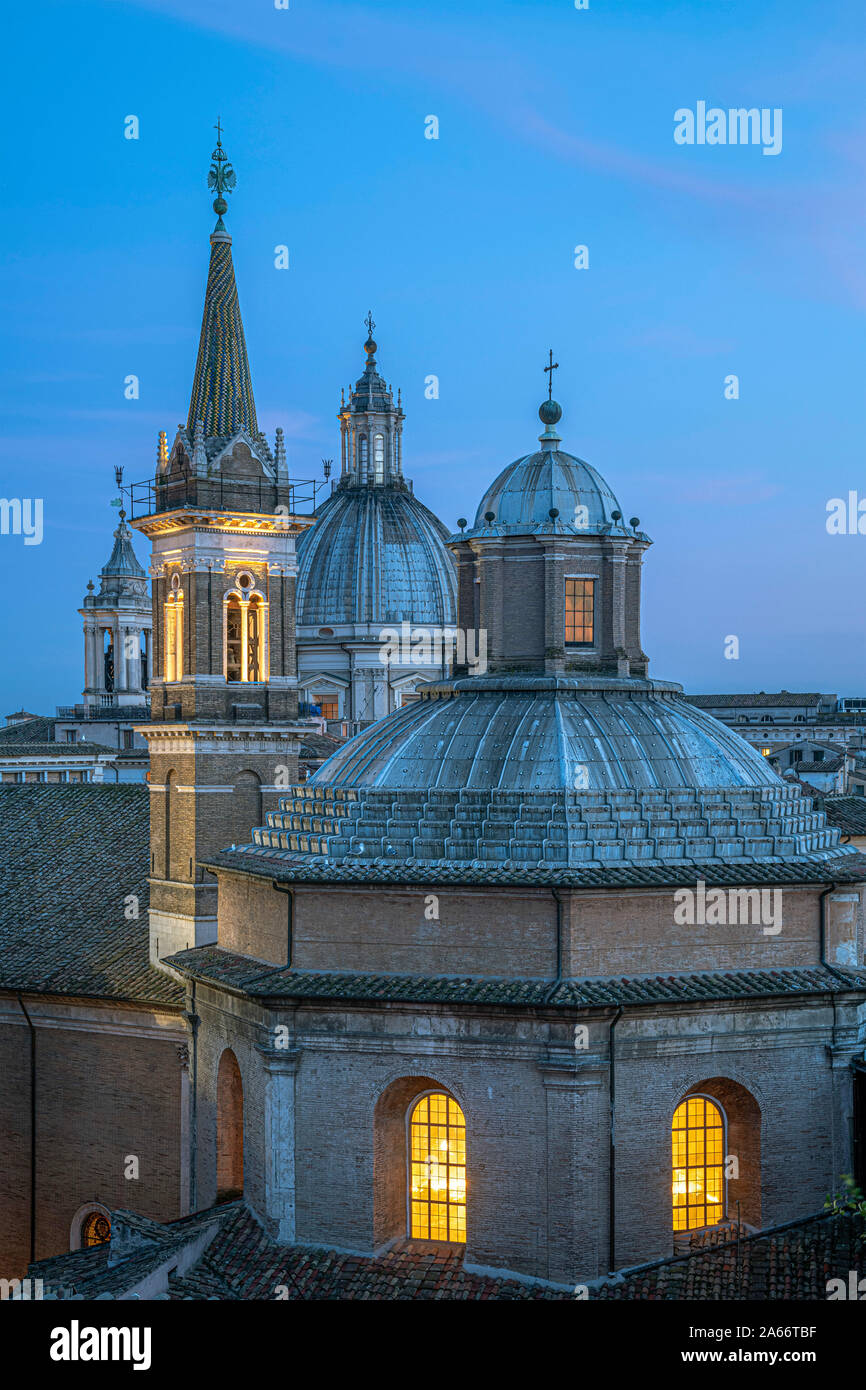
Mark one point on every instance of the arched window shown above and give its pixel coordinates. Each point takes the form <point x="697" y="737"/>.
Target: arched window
<point x="108" y="658"/>
<point x="255" y="638"/>
<point x="174" y="632"/>
<point x="95" y="1229"/>
<point x="698" y="1161"/>
<point x="230" y="1129"/>
<point x="144" y="660"/>
<point x="437" y="1169"/>
<point x="362" y="453"/>
<point x="91" y="1225"/>
<point x="379" y="457"/>
<point x="245" y="631"/>
<point x="234" y="638"/>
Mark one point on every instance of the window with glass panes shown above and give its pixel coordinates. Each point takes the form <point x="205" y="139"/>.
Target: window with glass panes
<point x="437" y="1169"/>
<point x="698" y="1161"/>
<point x="579" y="602"/>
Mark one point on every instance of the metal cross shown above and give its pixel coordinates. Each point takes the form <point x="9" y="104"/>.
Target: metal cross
<point x="368" y="322"/>
<point x="219" y="130"/>
<point x="551" y="369"/>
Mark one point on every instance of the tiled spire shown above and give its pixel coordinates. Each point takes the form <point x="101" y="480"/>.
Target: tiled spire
<point x="222" y="391"/>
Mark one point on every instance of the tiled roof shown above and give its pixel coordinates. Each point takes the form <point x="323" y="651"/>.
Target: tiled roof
<point x="287" y="867"/>
<point x="36" y="729"/>
<point x="551" y="830"/>
<point x="847" y="813"/>
<point x="213" y="965"/>
<point x="150" y="1244"/>
<point x="81" y="749"/>
<point x="222" y="392"/>
<point x="790" y="1263"/>
<point x="761" y="700"/>
<point x="821" y="764"/>
<point x="71" y="855"/>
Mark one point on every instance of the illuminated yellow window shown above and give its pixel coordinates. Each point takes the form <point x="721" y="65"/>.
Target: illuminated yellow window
<point x="579" y="611"/>
<point x="437" y="1169"/>
<point x="698" y="1160"/>
<point x="96" y="1230"/>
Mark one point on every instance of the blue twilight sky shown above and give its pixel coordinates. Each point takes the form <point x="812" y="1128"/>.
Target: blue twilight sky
<point x="555" y="129"/>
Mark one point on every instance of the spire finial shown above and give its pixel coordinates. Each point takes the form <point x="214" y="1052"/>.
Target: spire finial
<point x="221" y="178"/>
<point x="550" y="411"/>
<point x="551" y="368"/>
<point x="370" y="345"/>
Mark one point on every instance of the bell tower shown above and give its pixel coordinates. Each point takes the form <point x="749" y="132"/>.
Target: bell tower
<point x="221" y="515"/>
<point x="117" y="628"/>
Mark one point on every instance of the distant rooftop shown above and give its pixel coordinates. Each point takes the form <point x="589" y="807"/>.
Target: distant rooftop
<point x="761" y="700"/>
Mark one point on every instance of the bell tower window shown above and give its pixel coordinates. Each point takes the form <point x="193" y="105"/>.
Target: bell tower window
<point x="144" y="659"/>
<point x="108" y="659"/>
<point x="246" y="632"/>
<point x="379" y="458"/>
<point x="174" y="632"/>
<point x="579" y="612"/>
<point x="234" y="639"/>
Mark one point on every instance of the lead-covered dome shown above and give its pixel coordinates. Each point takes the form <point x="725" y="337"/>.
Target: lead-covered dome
<point x="545" y="733"/>
<point x="375" y="554"/>
<point x="561" y="754"/>
<point x="522" y="499"/>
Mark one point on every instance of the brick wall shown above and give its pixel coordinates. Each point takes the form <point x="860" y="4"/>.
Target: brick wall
<point x="108" y="1085"/>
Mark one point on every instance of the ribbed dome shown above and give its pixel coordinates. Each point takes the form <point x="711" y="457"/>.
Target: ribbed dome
<point x="375" y="555"/>
<point x="522" y="496"/>
<point x="548" y="733"/>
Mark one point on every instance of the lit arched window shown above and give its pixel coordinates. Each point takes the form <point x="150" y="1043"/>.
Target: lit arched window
<point x="379" y="457"/>
<point x="255" y="638"/>
<point x="95" y="1230"/>
<point x="174" y="632"/>
<point x="437" y="1169"/>
<point x="362" y="453"/>
<point x="234" y="639"/>
<point x="245" y="631"/>
<point x="698" y="1160"/>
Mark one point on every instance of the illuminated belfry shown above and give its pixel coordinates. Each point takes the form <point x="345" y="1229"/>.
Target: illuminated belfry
<point x="220" y="513"/>
<point x="117" y="630"/>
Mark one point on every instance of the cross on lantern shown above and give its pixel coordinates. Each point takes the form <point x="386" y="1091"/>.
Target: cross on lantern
<point x="551" y="369"/>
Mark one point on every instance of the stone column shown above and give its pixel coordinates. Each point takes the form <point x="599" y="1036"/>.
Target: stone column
<point x="281" y="1066"/>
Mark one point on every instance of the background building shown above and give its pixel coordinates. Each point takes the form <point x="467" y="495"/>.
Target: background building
<point x="374" y="561"/>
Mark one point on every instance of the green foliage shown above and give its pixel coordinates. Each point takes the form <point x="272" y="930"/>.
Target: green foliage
<point x="848" y="1201"/>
